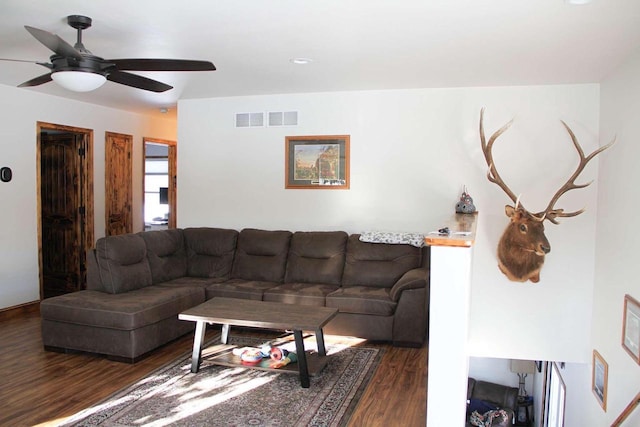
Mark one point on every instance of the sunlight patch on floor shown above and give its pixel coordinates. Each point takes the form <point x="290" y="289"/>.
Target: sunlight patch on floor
<point x="231" y="383"/>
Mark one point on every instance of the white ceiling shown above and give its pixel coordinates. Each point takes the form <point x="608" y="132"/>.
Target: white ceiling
<point x="354" y="44"/>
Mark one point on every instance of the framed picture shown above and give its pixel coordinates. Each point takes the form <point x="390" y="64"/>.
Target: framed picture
<point x="631" y="327"/>
<point x="317" y="162"/>
<point x="599" y="379"/>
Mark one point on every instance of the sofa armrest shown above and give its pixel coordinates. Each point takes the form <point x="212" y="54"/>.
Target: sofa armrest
<point x="412" y="279"/>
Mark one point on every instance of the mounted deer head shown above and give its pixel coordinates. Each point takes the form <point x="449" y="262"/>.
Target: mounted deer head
<point x="523" y="244"/>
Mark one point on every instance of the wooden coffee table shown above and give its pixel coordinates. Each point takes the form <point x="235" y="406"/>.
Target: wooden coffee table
<point x="266" y="315"/>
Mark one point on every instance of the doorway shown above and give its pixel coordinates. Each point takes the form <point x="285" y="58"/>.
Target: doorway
<point x="159" y="184"/>
<point x="64" y="161"/>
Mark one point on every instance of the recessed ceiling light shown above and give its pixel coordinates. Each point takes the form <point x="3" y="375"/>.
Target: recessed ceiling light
<point x="300" y="61"/>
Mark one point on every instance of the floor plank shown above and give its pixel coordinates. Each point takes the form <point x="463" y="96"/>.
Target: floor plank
<point x="43" y="388"/>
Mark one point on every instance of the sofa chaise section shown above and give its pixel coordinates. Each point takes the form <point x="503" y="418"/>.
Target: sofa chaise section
<point x="122" y="326"/>
<point x="121" y="314"/>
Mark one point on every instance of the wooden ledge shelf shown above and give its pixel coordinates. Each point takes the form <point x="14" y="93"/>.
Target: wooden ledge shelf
<point x="462" y="232"/>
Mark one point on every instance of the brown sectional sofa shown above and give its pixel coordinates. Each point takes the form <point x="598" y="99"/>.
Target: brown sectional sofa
<point x="138" y="283"/>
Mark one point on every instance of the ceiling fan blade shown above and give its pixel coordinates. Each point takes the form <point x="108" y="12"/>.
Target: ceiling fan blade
<point x="137" y="81"/>
<point x="18" y="60"/>
<point x="37" y="81"/>
<point x="161" y="65"/>
<point x="54" y="42"/>
<point x="44" y="64"/>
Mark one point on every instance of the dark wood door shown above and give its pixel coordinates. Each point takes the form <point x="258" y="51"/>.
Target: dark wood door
<point x="61" y="189"/>
<point x="118" y="179"/>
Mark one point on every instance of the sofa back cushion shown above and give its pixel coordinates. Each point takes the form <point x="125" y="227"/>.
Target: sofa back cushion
<point x="210" y="251"/>
<point x="316" y="257"/>
<point x="377" y="264"/>
<point x="122" y="263"/>
<point x="503" y="396"/>
<point x="166" y="254"/>
<point x="261" y="255"/>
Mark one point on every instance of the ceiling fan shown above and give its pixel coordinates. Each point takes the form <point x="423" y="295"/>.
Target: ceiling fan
<point x="76" y="68"/>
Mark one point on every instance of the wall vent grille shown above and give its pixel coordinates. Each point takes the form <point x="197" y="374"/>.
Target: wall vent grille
<point x="249" y="120"/>
<point x="283" y="118"/>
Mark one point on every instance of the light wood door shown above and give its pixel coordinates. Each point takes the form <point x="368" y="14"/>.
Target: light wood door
<point x="173" y="185"/>
<point x="118" y="184"/>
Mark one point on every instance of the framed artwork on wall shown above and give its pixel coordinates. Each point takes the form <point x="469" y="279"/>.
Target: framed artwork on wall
<point x="599" y="379"/>
<point x="631" y="327"/>
<point x="317" y="162"/>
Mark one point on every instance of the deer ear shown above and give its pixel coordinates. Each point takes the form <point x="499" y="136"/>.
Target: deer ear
<point x="510" y="211"/>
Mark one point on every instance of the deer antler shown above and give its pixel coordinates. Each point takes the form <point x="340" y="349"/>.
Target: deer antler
<point x="550" y="212"/>
<point x="492" y="174"/>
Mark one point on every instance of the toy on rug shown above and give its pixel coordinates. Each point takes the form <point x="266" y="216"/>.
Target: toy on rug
<point x="254" y="355"/>
<point x="289" y="358"/>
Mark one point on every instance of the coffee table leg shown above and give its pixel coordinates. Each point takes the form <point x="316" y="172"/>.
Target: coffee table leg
<point x="322" y="351"/>
<point x="224" y="336"/>
<point x="198" y="340"/>
<point x="302" y="359"/>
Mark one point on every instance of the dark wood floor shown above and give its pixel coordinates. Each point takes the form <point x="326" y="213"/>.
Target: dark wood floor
<point x="43" y="388"/>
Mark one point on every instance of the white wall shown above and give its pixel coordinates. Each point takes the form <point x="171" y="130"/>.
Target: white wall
<point x="20" y="110"/>
<point x="617" y="241"/>
<point x="411" y="153"/>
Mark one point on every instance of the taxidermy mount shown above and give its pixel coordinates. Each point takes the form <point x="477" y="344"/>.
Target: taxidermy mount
<point x="523" y="245"/>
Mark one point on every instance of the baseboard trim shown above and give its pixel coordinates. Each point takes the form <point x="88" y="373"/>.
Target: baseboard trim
<point x="32" y="307"/>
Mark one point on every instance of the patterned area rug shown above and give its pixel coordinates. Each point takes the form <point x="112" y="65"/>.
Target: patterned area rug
<point x="224" y="396"/>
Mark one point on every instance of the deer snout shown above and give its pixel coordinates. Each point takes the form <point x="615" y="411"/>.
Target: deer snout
<point x="545" y="248"/>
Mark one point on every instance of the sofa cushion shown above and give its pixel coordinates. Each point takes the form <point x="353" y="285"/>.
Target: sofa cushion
<point x="122" y="263"/>
<point x="210" y="251"/>
<point x="240" y="288"/>
<point x="300" y="293"/>
<point x="316" y="257"/>
<point x="166" y="254"/>
<point x="362" y="300"/>
<point x="125" y="311"/>
<point x="261" y="255"/>
<point x="375" y="264"/>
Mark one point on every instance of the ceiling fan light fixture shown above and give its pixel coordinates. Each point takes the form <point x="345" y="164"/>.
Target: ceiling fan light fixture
<point x="78" y="81"/>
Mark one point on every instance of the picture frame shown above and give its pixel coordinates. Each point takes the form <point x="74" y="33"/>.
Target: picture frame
<point x="599" y="379"/>
<point x="317" y="162"/>
<point x="631" y="327"/>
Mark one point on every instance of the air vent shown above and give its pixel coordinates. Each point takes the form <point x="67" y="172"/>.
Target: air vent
<point x="283" y="118"/>
<point x="249" y="120"/>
